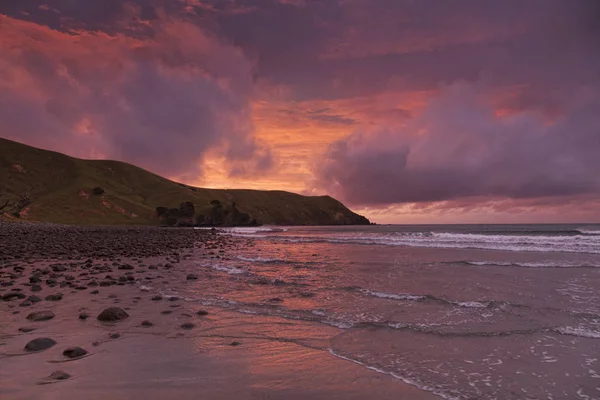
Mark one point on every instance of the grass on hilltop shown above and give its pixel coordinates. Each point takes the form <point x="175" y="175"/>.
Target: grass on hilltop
<point x="61" y="191"/>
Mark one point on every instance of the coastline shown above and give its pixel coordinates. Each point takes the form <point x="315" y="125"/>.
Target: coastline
<point x="222" y="354"/>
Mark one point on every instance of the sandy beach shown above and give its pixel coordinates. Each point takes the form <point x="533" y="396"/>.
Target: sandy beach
<point x="164" y="346"/>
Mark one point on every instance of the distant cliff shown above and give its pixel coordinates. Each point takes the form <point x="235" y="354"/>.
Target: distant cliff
<point x="63" y="189"/>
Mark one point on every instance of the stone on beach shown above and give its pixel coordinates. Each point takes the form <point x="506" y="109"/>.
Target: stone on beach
<point x="112" y="314"/>
<point x="59" y="375"/>
<point x="13" y="295"/>
<point x="41" y="316"/>
<point x="39" y="344"/>
<point x="74" y="352"/>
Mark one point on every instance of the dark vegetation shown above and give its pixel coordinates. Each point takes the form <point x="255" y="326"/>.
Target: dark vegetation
<point x="215" y="214"/>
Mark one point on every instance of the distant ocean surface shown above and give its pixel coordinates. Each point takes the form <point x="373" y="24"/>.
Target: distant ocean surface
<point x="462" y="311"/>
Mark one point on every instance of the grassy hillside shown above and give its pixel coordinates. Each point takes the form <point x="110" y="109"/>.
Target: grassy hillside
<point x="61" y="192"/>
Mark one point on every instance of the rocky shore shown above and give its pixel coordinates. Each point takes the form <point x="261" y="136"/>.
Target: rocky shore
<point x="82" y="316"/>
<point x="46" y="267"/>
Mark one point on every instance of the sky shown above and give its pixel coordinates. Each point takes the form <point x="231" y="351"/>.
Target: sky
<point x="428" y="111"/>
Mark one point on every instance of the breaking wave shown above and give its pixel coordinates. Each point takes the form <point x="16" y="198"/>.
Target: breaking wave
<point x="568" y="241"/>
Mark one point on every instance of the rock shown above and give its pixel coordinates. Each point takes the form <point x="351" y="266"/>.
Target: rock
<point x="112" y="314"/>
<point x="59" y="375"/>
<point x="54" y="297"/>
<point x="95" y="291"/>
<point x="156" y="298"/>
<point x="41" y="316"/>
<point x="166" y="312"/>
<point x="147" y="324"/>
<point x="192" y="277"/>
<point x="36" y="288"/>
<point x="126" y="267"/>
<point x="235" y="343"/>
<point x="13" y="295"/>
<point x="83" y="316"/>
<point x="26" y="329"/>
<point x="34" y="299"/>
<point x="39" y="344"/>
<point x="187" y="326"/>
<point x="26" y="303"/>
<point x="74" y="352"/>
<point x="275" y="300"/>
<point x="115" y="335"/>
<point x="201" y="312"/>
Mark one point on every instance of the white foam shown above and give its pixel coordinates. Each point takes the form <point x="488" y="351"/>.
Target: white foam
<point x="588" y="244"/>
<point x="255" y="229"/>
<point x="589" y="232"/>
<point x="338" y="324"/>
<point x="406" y="380"/>
<point x="229" y="270"/>
<point x="472" y="304"/>
<point x="259" y="259"/>
<point x="403" y="296"/>
<point x="579" y="331"/>
<point x="222" y="268"/>
<point x="545" y="264"/>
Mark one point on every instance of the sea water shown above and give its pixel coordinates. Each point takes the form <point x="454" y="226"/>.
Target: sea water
<point x="462" y="311"/>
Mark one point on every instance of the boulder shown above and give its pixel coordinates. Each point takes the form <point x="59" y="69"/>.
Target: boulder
<point x="41" y="316"/>
<point x="39" y="344"/>
<point x="74" y="352"/>
<point x="112" y="314"/>
<point x="12" y="296"/>
<point x="59" y="375"/>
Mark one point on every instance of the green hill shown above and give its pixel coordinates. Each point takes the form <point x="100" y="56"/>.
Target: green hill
<point x="61" y="191"/>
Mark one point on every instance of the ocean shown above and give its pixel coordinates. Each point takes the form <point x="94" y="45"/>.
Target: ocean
<point x="461" y="311"/>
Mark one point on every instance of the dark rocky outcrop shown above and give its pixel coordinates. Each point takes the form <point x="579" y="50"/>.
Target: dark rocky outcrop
<point x="218" y="214"/>
<point x="182" y="216"/>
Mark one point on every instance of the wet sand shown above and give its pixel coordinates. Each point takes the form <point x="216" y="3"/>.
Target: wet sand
<point x="165" y="348"/>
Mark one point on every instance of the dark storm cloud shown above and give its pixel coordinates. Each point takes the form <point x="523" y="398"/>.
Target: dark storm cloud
<point x="335" y="49"/>
<point x="458" y="148"/>
<point x="160" y="102"/>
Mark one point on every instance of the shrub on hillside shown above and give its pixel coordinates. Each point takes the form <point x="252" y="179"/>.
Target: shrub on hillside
<point x="98" y="191"/>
